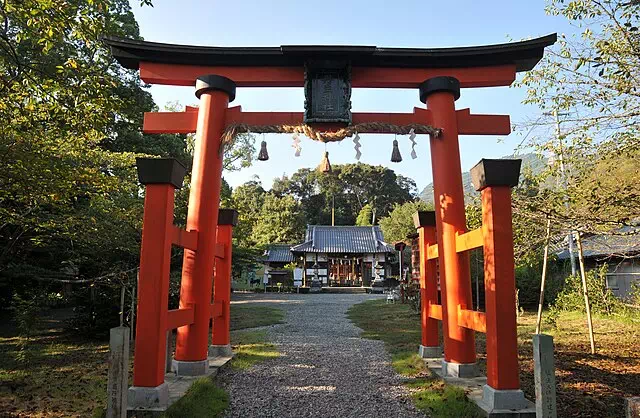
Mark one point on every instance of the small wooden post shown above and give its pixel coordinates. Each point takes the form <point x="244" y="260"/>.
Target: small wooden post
<point x="586" y="294"/>
<point x="544" y="275"/>
<point x="118" y="372"/>
<point x="169" y="354"/>
<point x="544" y="376"/>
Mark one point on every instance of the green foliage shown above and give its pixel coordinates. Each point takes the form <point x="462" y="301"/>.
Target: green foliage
<point x="601" y="300"/>
<point x="247" y="199"/>
<point x="25" y="315"/>
<point x="399" y="223"/>
<point x="528" y="277"/>
<point x="279" y="220"/>
<point x="96" y="309"/>
<point x="351" y="186"/>
<point x="590" y="80"/>
<point x="365" y="216"/>
<point x="70" y="123"/>
<point x="203" y="399"/>
<point x="442" y="401"/>
<point x="412" y="295"/>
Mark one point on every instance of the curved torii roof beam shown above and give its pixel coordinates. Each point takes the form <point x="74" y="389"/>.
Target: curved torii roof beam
<point x="474" y="66"/>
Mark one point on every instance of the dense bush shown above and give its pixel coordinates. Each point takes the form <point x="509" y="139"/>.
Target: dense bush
<point x="96" y="310"/>
<point x="528" y="283"/>
<point x="602" y="301"/>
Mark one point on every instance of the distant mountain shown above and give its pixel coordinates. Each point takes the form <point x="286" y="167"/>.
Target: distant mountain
<point x="533" y="161"/>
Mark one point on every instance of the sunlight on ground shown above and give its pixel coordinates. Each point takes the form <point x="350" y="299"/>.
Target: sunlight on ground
<point x="311" y="388"/>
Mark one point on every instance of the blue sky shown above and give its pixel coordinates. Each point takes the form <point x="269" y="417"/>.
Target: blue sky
<point x="401" y="23"/>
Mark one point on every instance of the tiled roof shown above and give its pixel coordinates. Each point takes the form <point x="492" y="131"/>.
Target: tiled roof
<point x="343" y="239"/>
<point x="278" y="253"/>
<point x="610" y="245"/>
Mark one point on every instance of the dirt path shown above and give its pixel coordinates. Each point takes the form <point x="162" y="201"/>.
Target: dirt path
<point x="324" y="370"/>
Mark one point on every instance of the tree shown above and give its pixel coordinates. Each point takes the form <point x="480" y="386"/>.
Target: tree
<point x="399" y="223"/>
<point x="280" y="221"/>
<point x="587" y="85"/>
<point x="350" y="186"/>
<point x="68" y="115"/>
<point x="248" y="200"/>
<point x="365" y="216"/>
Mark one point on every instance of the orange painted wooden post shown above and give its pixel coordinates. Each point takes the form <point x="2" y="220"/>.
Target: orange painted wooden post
<point x="425" y="222"/>
<point x="161" y="177"/>
<point x="495" y="179"/>
<point x="440" y="94"/>
<point x="215" y="93"/>
<point x="220" y="341"/>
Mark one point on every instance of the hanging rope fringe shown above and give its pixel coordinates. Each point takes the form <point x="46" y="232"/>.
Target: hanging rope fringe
<point x="233" y="130"/>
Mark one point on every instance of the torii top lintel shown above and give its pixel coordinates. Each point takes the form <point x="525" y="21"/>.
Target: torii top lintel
<point x="284" y="66"/>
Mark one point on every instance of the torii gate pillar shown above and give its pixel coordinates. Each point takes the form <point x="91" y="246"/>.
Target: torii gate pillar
<point x="440" y="94"/>
<point x="215" y="93"/>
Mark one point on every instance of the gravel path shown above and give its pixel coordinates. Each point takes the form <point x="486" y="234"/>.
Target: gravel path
<point x="324" y="370"/>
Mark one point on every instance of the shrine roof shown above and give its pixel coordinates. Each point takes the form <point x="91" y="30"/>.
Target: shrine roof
<point x="524" y="54"/>
<point x="343" y="239"/>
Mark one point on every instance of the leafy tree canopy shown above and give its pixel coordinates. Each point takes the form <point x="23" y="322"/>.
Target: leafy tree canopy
<point x="399" y="223"/>
<point x="350" y="187"/>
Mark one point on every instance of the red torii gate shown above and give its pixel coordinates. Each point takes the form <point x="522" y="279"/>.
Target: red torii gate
<point x="327" y="73"/>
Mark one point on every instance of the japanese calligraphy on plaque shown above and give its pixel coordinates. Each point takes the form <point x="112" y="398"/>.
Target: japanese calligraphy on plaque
<point x="327" y="90"/>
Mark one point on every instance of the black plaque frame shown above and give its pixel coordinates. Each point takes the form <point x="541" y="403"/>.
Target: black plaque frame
<point x="327" y="91"/>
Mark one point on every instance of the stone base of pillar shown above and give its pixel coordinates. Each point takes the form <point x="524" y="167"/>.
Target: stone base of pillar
<point x="429" y="352"/>
<point x="145" y="398"/>
<point x="503" y="399"/>
<point x="190" y="368"/>
<point x="220" y="351"/>
<point x="464" y="370"/>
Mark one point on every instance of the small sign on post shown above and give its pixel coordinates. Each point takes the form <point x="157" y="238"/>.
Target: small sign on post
<point x="544" y="376"/>
<point x="118" y="372"/>
<point x="297" y="279"/>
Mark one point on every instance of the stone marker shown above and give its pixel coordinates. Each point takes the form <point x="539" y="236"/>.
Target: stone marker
<point x="633" y="407"/>
<point x="118" y="372"/>
<point x="544" y="374"/>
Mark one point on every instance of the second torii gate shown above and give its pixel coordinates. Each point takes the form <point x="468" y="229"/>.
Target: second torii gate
<point x="327" y="74"/>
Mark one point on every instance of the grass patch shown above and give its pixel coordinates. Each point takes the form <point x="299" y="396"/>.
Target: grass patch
<point x="399" y="327"/>
<point x="203" y="399"/>
<point x="251" y="347"/>
<point x="64" y="376"/>
<point x="395" y="324"/>
<point x="252" y="316"/>
<point x="588" y="385"/>
<point x="440" y="400"/>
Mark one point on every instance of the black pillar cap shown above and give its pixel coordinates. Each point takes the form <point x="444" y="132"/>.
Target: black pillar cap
<point x="160" y="171"/>
<point x="424" y="218"/>
<point x="442" y="83"/>
<point x="215" y="82"/>
<point x="490" y="173"/>
<point x="227" y="217"/>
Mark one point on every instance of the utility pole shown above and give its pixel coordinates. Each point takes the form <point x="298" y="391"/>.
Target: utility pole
<point x="565" y="184"/>
<point x="333" y="210"/>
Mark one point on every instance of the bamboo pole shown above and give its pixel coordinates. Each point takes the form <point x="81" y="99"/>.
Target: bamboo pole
<point x="544" y="275"/>
<point x="586" y="295"/>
